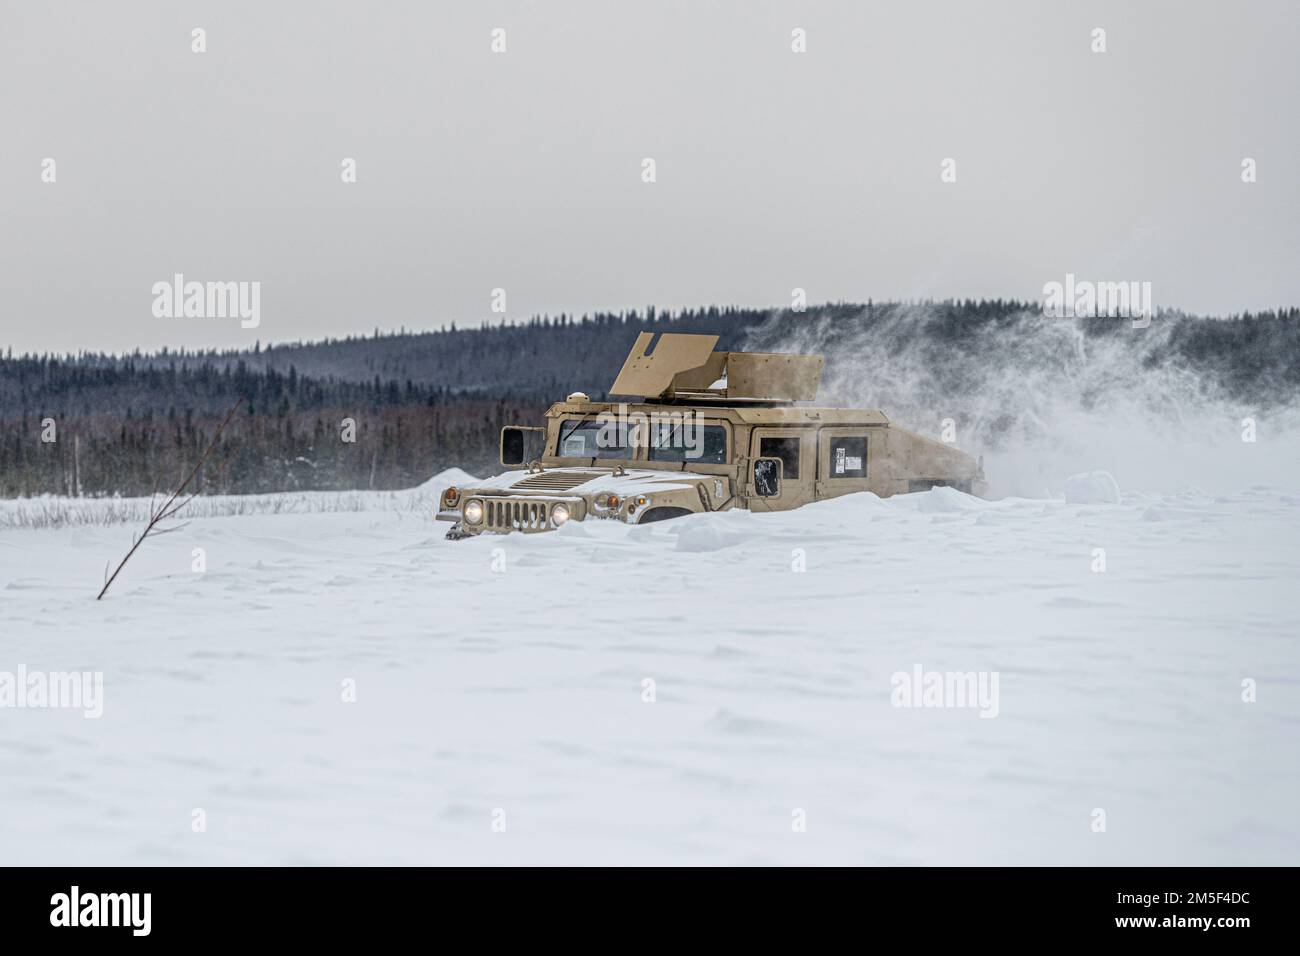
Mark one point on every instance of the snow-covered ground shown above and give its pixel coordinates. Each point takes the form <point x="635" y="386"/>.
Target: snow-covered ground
<point x="502" y="713"/>
<point x="55" y="511"/>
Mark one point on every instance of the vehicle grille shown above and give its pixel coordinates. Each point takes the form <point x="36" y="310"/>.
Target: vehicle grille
<point x="505" y="514"/>
<point x="557" y="480"/>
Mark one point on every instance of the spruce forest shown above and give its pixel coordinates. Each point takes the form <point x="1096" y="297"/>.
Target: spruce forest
<point x="386" y="411"/>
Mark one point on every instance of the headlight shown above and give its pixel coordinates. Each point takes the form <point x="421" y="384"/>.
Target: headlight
<point x="473" y="513"/>
<point x="559" y="513"/>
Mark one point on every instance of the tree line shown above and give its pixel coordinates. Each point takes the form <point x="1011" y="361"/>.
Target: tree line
<point x="422" y="402"/>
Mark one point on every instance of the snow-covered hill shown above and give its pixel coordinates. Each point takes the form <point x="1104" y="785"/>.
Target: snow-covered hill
<point x="503" y="712"/>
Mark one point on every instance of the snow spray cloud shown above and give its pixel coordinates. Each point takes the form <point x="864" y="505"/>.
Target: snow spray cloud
<point x="1185" y="402"/>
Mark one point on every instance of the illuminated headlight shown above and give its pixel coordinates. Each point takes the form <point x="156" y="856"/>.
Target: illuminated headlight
<point x="559" y="513"/>
<point x="473" y="513"/>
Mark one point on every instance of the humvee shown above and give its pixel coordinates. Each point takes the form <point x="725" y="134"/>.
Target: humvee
<point x="698" y="431"/>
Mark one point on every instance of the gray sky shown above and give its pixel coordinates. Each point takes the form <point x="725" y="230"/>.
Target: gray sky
<point x="522" y="170"/>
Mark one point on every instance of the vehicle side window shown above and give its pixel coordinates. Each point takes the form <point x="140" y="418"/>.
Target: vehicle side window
<point x="848" y="457"/>
<point x="787" y="449"/>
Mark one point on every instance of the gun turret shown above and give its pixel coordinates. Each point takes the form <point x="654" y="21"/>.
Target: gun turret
<point x="684" y="367"/>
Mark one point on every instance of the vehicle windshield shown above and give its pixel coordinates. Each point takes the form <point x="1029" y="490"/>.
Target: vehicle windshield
<point x="688" y="441"/>
<point x="588" y="438"/>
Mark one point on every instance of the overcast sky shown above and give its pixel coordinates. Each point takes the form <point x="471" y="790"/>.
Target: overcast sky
<point x="523" y="170"/>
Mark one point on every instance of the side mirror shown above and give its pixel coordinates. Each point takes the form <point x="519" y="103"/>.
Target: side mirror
<point x="513" y="445"/>
<point x="768" y="473"/>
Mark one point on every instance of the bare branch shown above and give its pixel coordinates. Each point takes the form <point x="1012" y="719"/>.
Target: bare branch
<point x="158" y="531"/>
<point x="176" y="507"/>
<point x="170" y="506"/>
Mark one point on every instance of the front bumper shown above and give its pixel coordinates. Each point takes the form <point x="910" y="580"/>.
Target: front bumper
<point x="528" y="514"/>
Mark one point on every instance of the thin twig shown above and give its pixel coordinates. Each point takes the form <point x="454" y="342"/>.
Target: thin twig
<point x="177" y="507"/>
<point x="170" y="507"/>
<point x="158" y="531"/>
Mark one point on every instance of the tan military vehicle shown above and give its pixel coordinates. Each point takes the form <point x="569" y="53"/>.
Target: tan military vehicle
<point x="700" y="431"/>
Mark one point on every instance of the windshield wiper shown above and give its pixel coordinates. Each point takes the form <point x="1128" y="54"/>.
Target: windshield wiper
<point x="659" y="445"/>
<point x="563" y="435"/>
